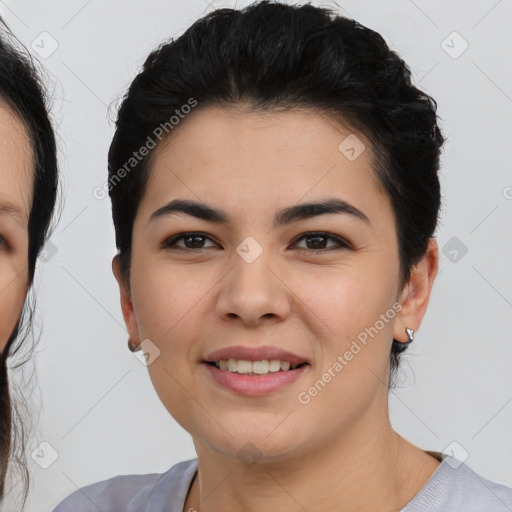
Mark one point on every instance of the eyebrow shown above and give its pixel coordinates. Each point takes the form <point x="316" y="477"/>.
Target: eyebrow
<point x="283" y="217"/>
<point x="10" y="209"/>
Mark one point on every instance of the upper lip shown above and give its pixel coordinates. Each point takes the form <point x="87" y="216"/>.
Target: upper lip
<point x="254" y="354"/>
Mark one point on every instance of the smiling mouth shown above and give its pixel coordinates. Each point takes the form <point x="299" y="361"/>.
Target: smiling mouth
<point x="254" y="368"/>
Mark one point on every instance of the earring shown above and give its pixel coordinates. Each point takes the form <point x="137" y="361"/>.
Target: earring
<point x="132" y="346"/>
<point x="410" y="334"/>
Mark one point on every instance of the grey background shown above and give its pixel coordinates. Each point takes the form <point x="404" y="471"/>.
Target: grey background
<point x="99" y="415"/>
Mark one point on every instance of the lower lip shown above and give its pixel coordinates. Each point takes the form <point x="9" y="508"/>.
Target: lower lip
<point x="254" y="386"/>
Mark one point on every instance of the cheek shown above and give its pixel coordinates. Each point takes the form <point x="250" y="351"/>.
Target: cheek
<point x="170" y="312"/>
<point x="12" y="297"/>
<point x="353" y="349"/>
<point x="346" y="301"/>
<point x="351" y="315"/>
<point x="165" y="298"/>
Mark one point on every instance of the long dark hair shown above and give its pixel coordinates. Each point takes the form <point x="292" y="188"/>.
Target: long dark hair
<point x="271" y="55"/>
<point x="21" y="88"/>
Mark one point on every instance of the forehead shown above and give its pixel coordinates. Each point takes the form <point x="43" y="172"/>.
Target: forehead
<point x="16" y="164"/>
<point x="257" y="158"/>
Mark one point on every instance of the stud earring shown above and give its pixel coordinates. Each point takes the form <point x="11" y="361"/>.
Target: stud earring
<point x="410" y="334"/>
<point x="132" y="346"/>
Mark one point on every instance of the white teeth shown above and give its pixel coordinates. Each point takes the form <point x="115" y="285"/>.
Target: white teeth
<point x="274" y="365"/>
<point x="243" y="366"/>
<point x="246" y="367"/>
<point x="260" y="367"/>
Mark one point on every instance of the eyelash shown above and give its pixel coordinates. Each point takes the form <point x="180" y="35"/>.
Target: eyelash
<point x="170" y="243"/>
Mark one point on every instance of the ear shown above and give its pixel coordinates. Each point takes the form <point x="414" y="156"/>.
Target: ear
<point x="416" y="293"/>
<point x="126" y="302"/>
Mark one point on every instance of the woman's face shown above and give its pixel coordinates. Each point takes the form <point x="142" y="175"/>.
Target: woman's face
<point x="256" y="281"/>
<point x="16" y="169"/>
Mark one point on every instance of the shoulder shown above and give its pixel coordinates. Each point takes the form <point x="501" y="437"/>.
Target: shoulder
<point x="109" y="495"/>
<point x="486" y="495"/>
<point x="131" y="493"/>
<point x="454" y="486"/>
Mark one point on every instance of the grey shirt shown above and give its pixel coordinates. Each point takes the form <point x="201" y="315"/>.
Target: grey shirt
<point x="453" y="487"/>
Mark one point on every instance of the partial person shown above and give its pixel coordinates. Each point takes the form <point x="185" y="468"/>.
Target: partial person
<point x="28" y="191"/>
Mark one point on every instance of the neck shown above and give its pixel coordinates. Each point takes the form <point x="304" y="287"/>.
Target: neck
<point x="359" y="469"/>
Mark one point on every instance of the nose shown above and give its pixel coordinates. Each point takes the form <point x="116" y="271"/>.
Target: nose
<point x="254" y="292"/>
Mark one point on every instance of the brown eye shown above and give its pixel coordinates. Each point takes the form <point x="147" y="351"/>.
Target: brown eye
<point x="4" y="244"/>
<point x="317" y="241"/>
<point x="191" y="240"/>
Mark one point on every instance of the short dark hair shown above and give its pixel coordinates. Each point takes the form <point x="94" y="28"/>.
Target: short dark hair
<point x="271" y="55"/>
<point x="22" y="90"/>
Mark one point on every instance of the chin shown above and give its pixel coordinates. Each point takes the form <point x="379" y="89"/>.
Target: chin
<point x="254" y="442"/>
